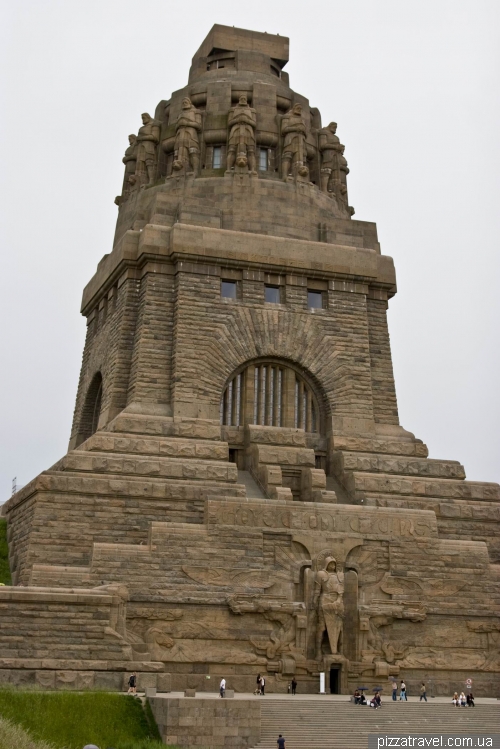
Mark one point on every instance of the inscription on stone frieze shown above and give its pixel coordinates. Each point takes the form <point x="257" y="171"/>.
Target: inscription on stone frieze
<point x="364" y="521"/>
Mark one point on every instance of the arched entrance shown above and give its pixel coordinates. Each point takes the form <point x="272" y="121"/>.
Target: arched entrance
<point x="270" y="392"/>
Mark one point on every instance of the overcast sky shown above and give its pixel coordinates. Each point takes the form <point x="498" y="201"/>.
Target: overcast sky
<point x="414" y="87"/>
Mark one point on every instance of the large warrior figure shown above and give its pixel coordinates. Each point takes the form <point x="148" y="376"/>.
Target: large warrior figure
<point x="147" y="140"/>
<point x="294" y="134"/>
<point x="187" y="143"/>
<point x="343" y="171"/>
<point x="242" y="122"/>
<point x="328" y="600"/>
<point x="329" y="146"/>
<point x="130" y="161"/>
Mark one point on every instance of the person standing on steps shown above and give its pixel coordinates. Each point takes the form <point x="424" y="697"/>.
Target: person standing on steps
<point x="294" y="685"/>
<point x="222" y="687"/>
<point x="132" y="684"/>
<point x="281" y="742"/>
<point x="402" y="692"/>
<point x="257" y="688"/>
<point x="262" y="686"/>
<point x="423" y="695"/>
<point x="394" y="690"/>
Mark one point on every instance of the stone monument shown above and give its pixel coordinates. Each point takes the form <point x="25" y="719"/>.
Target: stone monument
<point x="239" y="495"/>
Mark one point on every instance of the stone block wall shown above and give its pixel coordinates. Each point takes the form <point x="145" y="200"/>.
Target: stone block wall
<point x="207" y="723"/>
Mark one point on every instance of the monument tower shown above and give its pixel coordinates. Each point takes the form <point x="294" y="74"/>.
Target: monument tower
<point x="239" y="495"/>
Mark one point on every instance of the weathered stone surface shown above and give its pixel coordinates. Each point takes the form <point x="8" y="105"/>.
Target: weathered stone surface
<point x="238" y="496"/>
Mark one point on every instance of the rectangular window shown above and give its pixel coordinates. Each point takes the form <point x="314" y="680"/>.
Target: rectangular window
<point x="263" y="159"/>
<point x="228" y="289"/>
<point x="315" y="299"/>
<point x="217" y="157"/>
<point x="272" y="294"/>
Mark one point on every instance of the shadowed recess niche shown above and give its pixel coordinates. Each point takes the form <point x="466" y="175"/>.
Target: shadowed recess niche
<point x="270" y="393"/>
<point x="91" y="410"/>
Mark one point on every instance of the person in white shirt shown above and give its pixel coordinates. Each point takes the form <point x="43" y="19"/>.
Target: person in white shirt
<point x="222" y="687"/>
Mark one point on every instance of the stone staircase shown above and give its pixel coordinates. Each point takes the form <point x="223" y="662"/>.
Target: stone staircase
<point x="317" y="724"/>
<point x="253" y="490"/>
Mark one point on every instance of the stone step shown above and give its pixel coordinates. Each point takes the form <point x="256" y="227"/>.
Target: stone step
<point x="312" y="724"/>
<point x="376" y="445"/>
<point x="362" y="485"/>
<point x="157" y="446"/>
<point x="408" y="466"/>
<point x="166" y="426"/>
<point x="160" y="467"/>
<point x="154" y="487"/>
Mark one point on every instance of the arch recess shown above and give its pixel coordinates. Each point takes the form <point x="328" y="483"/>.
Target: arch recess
<point x="91" y="409"/>
<point x="271" y="392"/>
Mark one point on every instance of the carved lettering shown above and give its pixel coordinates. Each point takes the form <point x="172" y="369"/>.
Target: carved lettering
<point x="338" y="519"/>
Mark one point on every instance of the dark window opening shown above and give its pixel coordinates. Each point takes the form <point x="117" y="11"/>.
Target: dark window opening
<point x="228" y="289"/>
<point x="272" y="294"/>
<point x="315" y="300"/>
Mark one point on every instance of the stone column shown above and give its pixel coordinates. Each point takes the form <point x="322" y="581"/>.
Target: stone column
<point x="289" y="398"/>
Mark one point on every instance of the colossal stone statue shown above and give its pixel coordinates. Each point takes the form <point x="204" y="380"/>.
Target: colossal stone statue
<point x="242" y="121"/>
<point x="294" y="133"/>
<point x="147" y="140"/>
<point x="187" y="143"/>
<point x="130" y="161"/>
<point x="328" y="600"/>
<point x="329" y="146"/>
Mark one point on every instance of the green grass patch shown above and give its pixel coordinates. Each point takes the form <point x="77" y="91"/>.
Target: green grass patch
<point x="69" y="720"/>
<point x="5" y="578"/>
<point x="14" y="737"/>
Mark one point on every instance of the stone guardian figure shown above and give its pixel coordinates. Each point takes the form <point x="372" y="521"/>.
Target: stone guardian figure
<point x="328" y="601"/>
<point x="187" y="142"/>
<point x="329" y="147"/>
<point x="130" y="161"/>
<point x="147" y="142"/>
<point x="294" y="134"/>
<point x="242" y="122"/>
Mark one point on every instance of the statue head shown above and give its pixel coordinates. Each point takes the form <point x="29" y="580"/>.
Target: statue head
<point x="186" y="103"/>
<point x="333" y="127"/>
<point x="132" y="139"/>
<point x="243" y="101"/>
<point x="297" y="109"/>
<point x="146" y="118"/>
<point x="342" y="148"/>
<point x="330" y="564"/>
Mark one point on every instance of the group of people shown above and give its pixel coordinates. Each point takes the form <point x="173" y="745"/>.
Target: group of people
<point x="463" y="700"/>
<point x="403" y="697"/>
<point x="360" y="699"/>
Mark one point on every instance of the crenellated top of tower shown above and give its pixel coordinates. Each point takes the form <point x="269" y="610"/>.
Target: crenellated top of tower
<point x="236" y="50"/>
<point x="237" y="149"/>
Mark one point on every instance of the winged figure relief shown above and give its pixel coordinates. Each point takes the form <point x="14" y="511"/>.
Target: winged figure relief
<point x="235" y="577"/>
